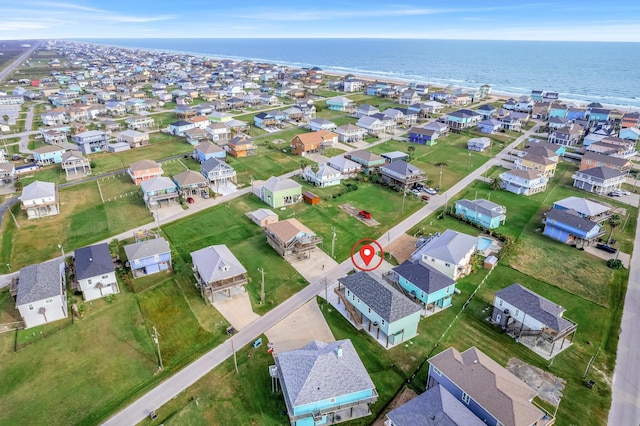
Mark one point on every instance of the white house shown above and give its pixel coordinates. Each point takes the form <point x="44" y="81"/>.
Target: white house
<point x="450" y="253"/>
<point x="41" y="297"/>
<point x="324" y="176"/>
<point x="40" y="199"/>
<point x="95" y="272"/>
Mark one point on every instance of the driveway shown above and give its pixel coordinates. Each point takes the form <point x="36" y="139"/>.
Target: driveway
<point x="235" y="309"/>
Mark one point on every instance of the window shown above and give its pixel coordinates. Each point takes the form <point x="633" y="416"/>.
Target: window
<point x="382" y="322"/>
<point x="448" y="290"/>
<point x="332" y="400"/>
<point x="447" y="265"/>
<point x="517" y="312"/>
<point x="500" y="303"/>
<point x="436" y="371"/>
<point x="156" y="257"/>
<point x="369" y="310"/>
<point x="104" y="277"/>
<point x="48" y="301"/>
<point x="465" y="398"/>
<point x="89" y="282"/>
<point x="30" y="307"/>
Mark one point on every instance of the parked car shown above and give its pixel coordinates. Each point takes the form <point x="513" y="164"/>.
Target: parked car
<point x="190" y="200"/>
<point x="624" y="192"/>
<point x="425" y="197"/>
<point x="431" y="191"/>
<point x="415" y="192"/>
<point x="606" y="247"/>
<point x="614" y="194"/>
<point x="364" y="214"/>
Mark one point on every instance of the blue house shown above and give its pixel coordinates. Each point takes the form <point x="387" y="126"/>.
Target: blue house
<point x="265" y="120"/>
<point x="430" y="287"/>
<point x="148" y="257"/>
<point x="558" y="110"/>
<point x="576" y="114"/>
<point x="567" y="226"/>
<point x="630" y="133"/>
<point x="495" y="395"/>
<point x="179" y="127"/>
<point x="385" y="313"/>
<point x="324" y="383"/>
<point x="340" y="103"/>
<point x="482" y="212"/>
<point x="489" y="126"/>
<point x="423" y="136"/>
<point x="205" y="150"/>
<point x="48" y="154"/>
<point x="599" y="114"/>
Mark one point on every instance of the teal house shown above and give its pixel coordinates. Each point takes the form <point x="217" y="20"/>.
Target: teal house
<point x="482" y="212"/>
<point x="426" y="284"/>
<point x="324" y="383"/>
<point x="278" y="192"/>
<point x="378" y="308"/>
<point x="340" y="103"/>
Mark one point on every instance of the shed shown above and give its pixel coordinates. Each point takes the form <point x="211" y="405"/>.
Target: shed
<point x="490" y="262"/>
<point x="310" y="198"/>
<point x="119" y="147"/>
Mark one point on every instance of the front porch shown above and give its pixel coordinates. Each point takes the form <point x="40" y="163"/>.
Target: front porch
<point x="209" y="290"/>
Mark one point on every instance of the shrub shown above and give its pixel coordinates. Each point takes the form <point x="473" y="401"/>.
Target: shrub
<point x="614" y="264"/>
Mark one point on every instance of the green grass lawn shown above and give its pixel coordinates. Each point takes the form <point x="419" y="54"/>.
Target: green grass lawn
<point x="267" y="163"/>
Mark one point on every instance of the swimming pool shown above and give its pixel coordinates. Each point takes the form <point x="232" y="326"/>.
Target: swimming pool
<point x="484" y="243"/>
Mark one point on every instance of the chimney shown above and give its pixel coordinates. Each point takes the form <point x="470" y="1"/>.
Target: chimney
<point x="339" y="351"/>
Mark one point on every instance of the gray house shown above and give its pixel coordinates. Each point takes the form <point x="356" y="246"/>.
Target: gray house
<point x="41" y="295"/>
<point x="91" y="141"/>
<point x="95" y="273"/>
<point x="218" y="172"/>
<point x="216" y="269"/>
<point x="402" y="174"/>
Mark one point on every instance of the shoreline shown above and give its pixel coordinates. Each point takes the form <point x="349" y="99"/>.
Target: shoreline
<point x="365" y="76"/>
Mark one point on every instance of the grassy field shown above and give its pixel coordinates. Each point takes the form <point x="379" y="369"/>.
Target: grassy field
<point x="11" y="49"/>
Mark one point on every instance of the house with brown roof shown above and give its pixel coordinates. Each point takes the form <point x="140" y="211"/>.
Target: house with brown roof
<point x="241" y="146"/>
<point x="495" y="395"/>
<point x="537" y="158"/>
<point x="591" y="160"/>
<point x="75" y="165"/>
<point x="144" y="170"/>
<point x="312" y="142"/>
<point x="290" y="237"/>
<point x="190" y="183"/>
<point x="134" y="138"/>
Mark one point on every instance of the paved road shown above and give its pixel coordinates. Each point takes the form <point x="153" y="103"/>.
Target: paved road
<point x="171" y="387"/>
<point x="9" y="69"/>
<point x="625" y="407"/>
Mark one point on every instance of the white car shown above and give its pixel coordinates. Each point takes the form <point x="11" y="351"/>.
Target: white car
<point x="431" y="191"/>
<point x="623" y="192"/>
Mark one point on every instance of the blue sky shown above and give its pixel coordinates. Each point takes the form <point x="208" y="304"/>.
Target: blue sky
<point x="586" y="20"/>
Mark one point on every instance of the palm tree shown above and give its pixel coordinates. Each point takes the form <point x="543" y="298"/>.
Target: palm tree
<point x="496" y="184"/>
<point x="614" y="221"/>
<point x="441" y="164"/>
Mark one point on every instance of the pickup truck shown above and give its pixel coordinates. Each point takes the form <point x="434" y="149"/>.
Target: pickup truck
<point x="364" y="214"/>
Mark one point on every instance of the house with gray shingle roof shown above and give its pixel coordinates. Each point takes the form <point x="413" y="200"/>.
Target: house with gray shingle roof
<point x="148" y="257"/>
<point x="324" y="383"/>
<point x="425" y="284"/>
<point x="41" y="293"/>
<point x="216" y="269"/>
<point x="482" y="212"/>
<point x="402" y="174"/>
<point x="449" y="252"/>
<point x="40" y="199"/>
<point x="600" y="180"/>
<point x="520" y="311"/>
<point x="94" y="271"/>
<point x="377" y="307"/>
<point x="435" y="407"/>
<point x="490" y="391"/>
<point x="568" y="227"/>
<point x="585" y="207"/>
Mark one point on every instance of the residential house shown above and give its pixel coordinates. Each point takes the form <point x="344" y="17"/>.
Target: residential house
<point x="599" y="114"/>
<point x="95" y="272"/>
<point x="593" y="159"/>
<point x="369" y="161"/>
<point x="191" y="183"/>
<point x="74" y="164"/>
<point x="200" y="121"/>
<point x="218" y="133"/>
<point x="630" y="133"/>
<point x="48" y="154"/>
<point x="54" y="137"/>
<point x="218" y="172"/>
<point x="220" y="117"/>
<point x="178" y="128"/>
<point x="134" y="138"/>
<point x="139" y="122"/>
<point x="585" y="208"/>
<point x="148" y="257"/>
<point x="195" y="135"/>
<point x="290" y="237"/>
<point x="313" y="142"/>
<point x="450" y="253"/>
<point x="521" y="312"/>
<point x="479" y="144"/>
<point x="401" y="174"/>
<point x="373" y="126"/>
<point x="393" y="156"/>
<point x="495" y="395"/>
<point x="378" y="308"/>
<point x="600" y="180"/>
<point x="537" y="158"/>
<point x="540" y="110"/>
<point x="482" y="212"/>
<point x="159" y="190"/>
<point x="216" y="269"/>
<point x="205" y="150"/>
<point x="462" y="119"/>
<point x="40" y="199"/>
<point x="409" y="97"/>
<point x="91" y="141"/>
<point x="324" y="383"/>
<point x="241" y="146"/>
<point x="340" y="103"/>
<point x="144" y="170"/>
<point x="350" y="133"/>
<point x="262" y="217"/>
<point x="346" y="167"/>
<point x="489" y="126"/>
<point x="322" y="175"/>
<point x="486" y="111"/>
<point x="267" y="120"/>
<point x="425" y="109"/>
<point x="425" y="284"/>
<point x="423" y="136"/>
<point x="511" y="122"/>
<point x="41" y="296"/>
<point x="568" y="135"/>
<point x="630" y="120"/>
<point x="278" y="192"/>
<point x="366" y="110"/>
<point x="321" y="124"/>
<point x="7" y="175"/>
<point x="435" y="407"/>
<point x="568" y="227"/>
<point x="54" y="117"/>
<point x="525" y="182"/>
<point x="557" y="109"/>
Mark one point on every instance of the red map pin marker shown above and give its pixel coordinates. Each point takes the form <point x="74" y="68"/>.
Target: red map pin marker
<point x="367" y="252"/>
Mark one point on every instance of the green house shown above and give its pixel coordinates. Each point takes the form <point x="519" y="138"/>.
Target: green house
<point x="278" y="192"/>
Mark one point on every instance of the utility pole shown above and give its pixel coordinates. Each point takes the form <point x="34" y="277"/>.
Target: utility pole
<point x="155" y="339"/>
<point x="262" y="288"/>
<point x="403" y="198"/>
<point x="235" y="360"/>
<point x="333" y="241"/>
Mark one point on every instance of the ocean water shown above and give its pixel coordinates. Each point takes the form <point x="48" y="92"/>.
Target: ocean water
<point x="608" y="73"/>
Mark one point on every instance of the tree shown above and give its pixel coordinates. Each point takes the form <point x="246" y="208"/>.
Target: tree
<point x="614" y="221"/>
<point x="496" y="184"/>
<point x="411" y="151"/>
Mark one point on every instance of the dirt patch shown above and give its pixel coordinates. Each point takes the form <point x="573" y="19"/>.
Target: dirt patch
<point x="405" y="396"/>
<point x="353" y="211"/>
<point x="402" y="247"/>
<point x="549" y="387"/>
